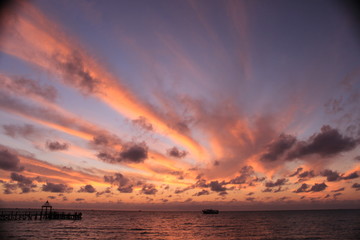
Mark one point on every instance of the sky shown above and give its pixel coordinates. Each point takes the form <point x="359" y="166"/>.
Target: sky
<point x="179" y="105"/>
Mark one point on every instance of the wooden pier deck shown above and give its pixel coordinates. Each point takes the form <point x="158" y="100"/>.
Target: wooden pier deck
<point x="36" y="215"/>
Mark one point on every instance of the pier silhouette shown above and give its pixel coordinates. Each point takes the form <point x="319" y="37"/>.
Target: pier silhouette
<point x="46" y="213"/>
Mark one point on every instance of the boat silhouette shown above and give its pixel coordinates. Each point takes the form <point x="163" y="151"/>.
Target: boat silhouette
<point x="210" y="211"/>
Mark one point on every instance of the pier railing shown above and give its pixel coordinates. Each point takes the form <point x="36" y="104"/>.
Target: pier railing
<point x="38" y="215"/>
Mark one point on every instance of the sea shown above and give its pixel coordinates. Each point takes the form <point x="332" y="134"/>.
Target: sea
<point x="96" y="224"/>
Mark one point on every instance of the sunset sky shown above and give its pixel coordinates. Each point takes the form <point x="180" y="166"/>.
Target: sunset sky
<point x="179" y="104"/>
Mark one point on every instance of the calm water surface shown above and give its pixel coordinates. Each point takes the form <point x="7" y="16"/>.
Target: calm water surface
<point x="324" y="224"/>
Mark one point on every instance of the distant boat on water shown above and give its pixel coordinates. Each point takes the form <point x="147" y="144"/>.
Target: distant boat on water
<point x="210" y="211"/>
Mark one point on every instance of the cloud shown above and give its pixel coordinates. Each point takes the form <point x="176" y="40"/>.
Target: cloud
<point x="217" y="186"/>
<point x="135" y="153"/>
<point x="331" y="176"/>
<point x="74" y="72"/>
<point x="107" y="190"/>
<point x="149" y="189"/>
<point x="356" y="186"/>
<point x="57" y="146"/>
<point x="9" y="187"/>
<point x="118" y="179"/>
<point x="53" y="187"/>
<point x="357" y="158"/>
<point x="337" y="194"/>
<point x="20" y="178"/>
<point x="9" y="161"/>
<point x="202" y="192"/>
<point x="28" y="87"/>
<point x="302" y="188"/>
<point x="327" y="143"/>
<point x="24" y="183"/>
<point x="338" y="190"/>
<point x="87" y="189"/>
<point x="250" y="199"/>
<point x="79" y="199"/>
<point x="175" y="152"/>
<point x="124" y="184"/>
<point x="296" y="172"/>
<point x="131" y="152"/>
<point x="318" y="187"/>
<point x="26" y="131"/>
<point x="127" y="189"/>
<point x="306" y="175"/>
<point x="279" y="182"/>
<point x="143" y="123"/>
<point x="246" y="173"/>
<point x="278" y="147"/>
<point x="351" y="176"/>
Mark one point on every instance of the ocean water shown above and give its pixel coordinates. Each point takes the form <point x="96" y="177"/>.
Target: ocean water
<point x="321" y="224"/>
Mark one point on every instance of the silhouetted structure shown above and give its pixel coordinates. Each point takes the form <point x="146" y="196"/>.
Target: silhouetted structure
<point x="210" y="211"/>
<point x="46" y="213"/>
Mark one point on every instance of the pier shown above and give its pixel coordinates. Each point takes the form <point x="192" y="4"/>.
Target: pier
<point x="46" y="213"/>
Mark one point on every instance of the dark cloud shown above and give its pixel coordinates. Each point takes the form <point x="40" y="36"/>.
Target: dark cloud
<point x="143" y="123"/>
<point x="357" y="158"/>
<point x="296" y="172"/>
<point x="20" y="178"/>
<point x="149" y="189"/>
<point x="76" y="73"/>
<point x="53" y="187"/>
<point x="250" y="199"/>
<point x="246" y="173"/>
<point x="356" y="186"/>
<point x="24" y="86"/>
<point x="175" y="152"/>
<point x="250" y="193"/>
<point x="126" y="189"/>
<point x="119" y="179"/>
<point x="52" y="197"/>
<point x="302" y="188"/>
<point x="280" y="189"/>
<point x="26" y="130"/>
<point x="279" y="182"/>
<point x="331" y="176"/>
<point x="318" y="187"/>
<point x="217" y="187"/>
<point x="9" y="161"/>
<point x="306" y="175"/>
<point x="278" y="147"/>
<point x="24" y="183"/>
<point x="351" y="176"/>
<point x="9" y="187"/>
<point x="188" y="200"/>
<point x="337" y="194"/>
<point x="202" y="192"/>
<point x="223" y="193"/>
<point x="327" y="143"/>
<point x="87" y="189"/>
<point x="267" y="190"/>
<point x="107" y="190"/>
<point x="177" y="191"/>
<point x="131" y="152"/>
<point x="338" y="190"/>
<point x="57" y="146"/>
<point x="134" y="152"/>
<point x="79" y="199"/>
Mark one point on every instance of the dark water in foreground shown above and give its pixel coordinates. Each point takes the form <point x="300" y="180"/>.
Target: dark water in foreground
<point x="324" y="224"/>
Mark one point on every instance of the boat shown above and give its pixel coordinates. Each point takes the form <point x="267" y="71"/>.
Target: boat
<point x="210" y="211"/>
